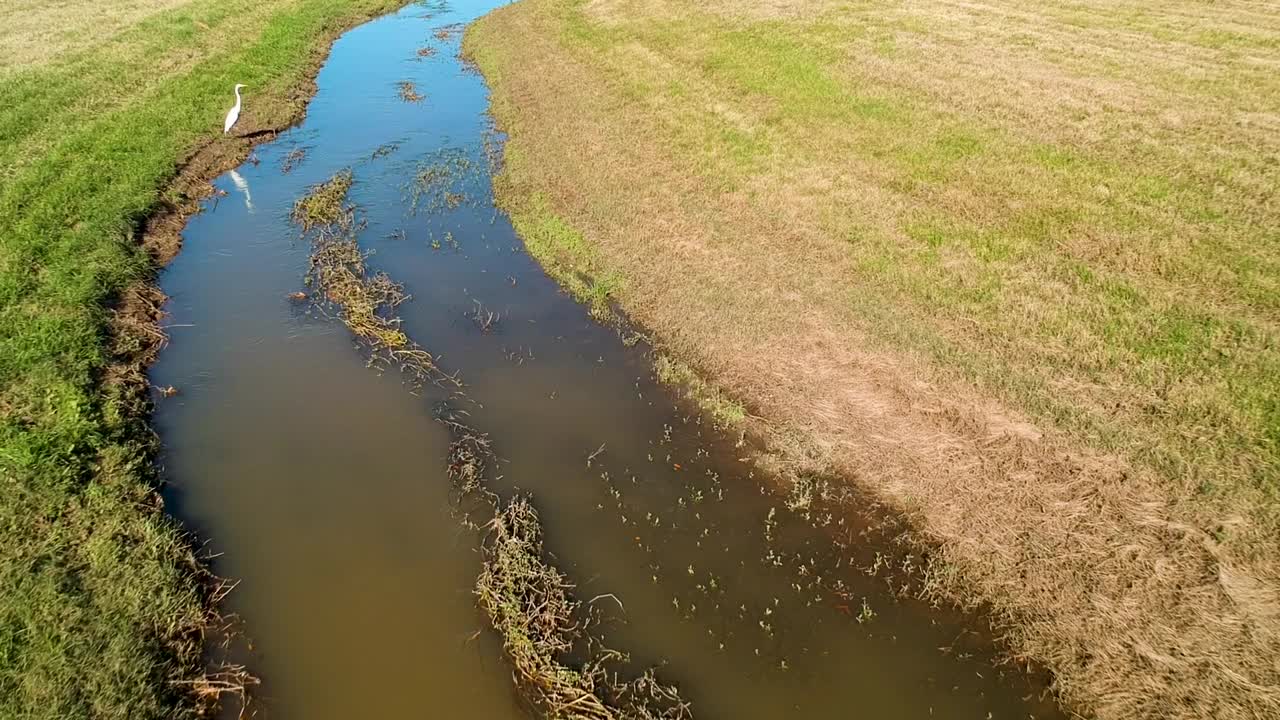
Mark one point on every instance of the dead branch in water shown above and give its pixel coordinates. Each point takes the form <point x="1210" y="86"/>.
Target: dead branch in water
<point x="484" y="319"/>
<point x="526" y="598"/>
<point x="591" y="458"/>
<point x="470" y="454"/>
<point x="226" y="680"/>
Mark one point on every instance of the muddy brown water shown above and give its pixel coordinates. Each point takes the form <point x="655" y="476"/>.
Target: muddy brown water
<point x="320" y="482"/>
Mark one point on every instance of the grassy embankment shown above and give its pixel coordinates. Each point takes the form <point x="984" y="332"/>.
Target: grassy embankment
<point x="101" y="603"/>
<point x="1014" y="265"/>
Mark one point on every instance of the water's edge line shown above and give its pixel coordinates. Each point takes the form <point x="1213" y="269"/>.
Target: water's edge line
<point x="134" y="320"/>
<point x="774" y="448"/>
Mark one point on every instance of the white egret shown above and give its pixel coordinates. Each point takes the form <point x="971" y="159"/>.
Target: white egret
<point x="234" y="115"/>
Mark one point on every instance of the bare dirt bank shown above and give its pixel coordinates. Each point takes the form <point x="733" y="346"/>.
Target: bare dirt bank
<point x="712" y="170"/>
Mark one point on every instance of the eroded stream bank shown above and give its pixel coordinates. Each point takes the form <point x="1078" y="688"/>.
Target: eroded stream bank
<point x="323" y="482"/>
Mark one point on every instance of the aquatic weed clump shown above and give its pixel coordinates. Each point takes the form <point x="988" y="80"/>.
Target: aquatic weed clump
<point x="439" y="182"/>
<point x="293" y="159"/>
<point x="326" y="204"/>
<point x="528" y="601"/>
<point x="470" y="453"/>
<point x="365" y="302"/>
<point x="529" y="604"/>
<point x="466" y="462"/>
<point x="409" y="92"/>
<point x="445" y="33"/>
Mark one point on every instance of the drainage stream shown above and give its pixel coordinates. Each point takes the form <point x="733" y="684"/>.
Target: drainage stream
<point x="321" y="471"/>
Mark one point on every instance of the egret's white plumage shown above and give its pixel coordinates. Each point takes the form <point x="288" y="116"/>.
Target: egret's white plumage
<point x="234" y="115"/>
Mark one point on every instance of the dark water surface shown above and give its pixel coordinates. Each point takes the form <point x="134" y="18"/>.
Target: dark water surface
<point x="320" y="481"/>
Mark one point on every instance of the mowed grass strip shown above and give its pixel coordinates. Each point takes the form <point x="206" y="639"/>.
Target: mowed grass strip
<point x="101" y="608"/>
<point x="1115" y="272"/>
<point x="1114" y="269"/>
<point x="1015" y="264"/>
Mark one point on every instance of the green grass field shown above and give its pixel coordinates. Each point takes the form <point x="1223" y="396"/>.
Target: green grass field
<point x="100" y="605"/>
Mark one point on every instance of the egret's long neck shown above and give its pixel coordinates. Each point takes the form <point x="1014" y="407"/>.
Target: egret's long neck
<point x="237" y="97"/>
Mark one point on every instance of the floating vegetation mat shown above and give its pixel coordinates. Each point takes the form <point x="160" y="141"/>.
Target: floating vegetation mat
<point x="325" y="204"/>
<point x="340" y="281"/>
<point x="384" y="150"/>
<point x="530" y="603"/>
<point x="409" y="92"/>
<point x="470" y="454"/>
<point x="293" y="160"/>
<point x="445" y="33"/>
<point x="440" y="181"/>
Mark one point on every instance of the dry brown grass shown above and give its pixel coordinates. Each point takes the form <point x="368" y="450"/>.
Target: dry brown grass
<point x="1012" y="266"/>
<point x="37" y="31"/>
